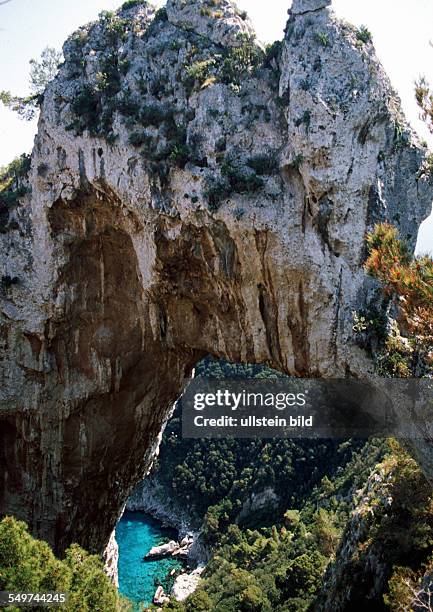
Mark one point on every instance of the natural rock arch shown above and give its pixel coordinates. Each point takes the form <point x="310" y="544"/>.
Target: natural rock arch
<point x="128" y="275"/>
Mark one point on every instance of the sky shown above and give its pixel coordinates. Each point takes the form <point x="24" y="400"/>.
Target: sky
<point x="401" y="30"/>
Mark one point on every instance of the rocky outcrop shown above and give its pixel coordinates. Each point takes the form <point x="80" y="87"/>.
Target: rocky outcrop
<point x="299" y="7"/>
<point x="111" y="559"/>
<point x="189" y="195"/>
<point x="151" y="497"/>
<point x="170" y="549"/>
<point x="357" y="576"/>
<point x="160" y="598"/>
<point x="185" y="584"/>
<point x="259" y="501"/>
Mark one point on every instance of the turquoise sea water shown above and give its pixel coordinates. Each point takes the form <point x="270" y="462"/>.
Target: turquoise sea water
<point x="136" y="533"/>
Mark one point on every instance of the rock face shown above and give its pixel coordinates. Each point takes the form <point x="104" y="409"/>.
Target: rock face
<point x="111" y="559"/>
<point x="149" y="496"/>
<point x="186" y="584"/>
<point x="305" y="6"/>
<point x="160" y="598"/>
<point x="188" y="196"/>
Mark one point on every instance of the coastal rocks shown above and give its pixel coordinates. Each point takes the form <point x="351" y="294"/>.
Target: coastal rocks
<point x="111" y="559"/>
<point x="160" y="598"/>
<point x="185" y="584"/>
<point x="165" y="550"/>
<point x="151" y="497"/>
<point x="170" y="549"/>
<point x="196" y="198"/>
<point x="187" y="581"/>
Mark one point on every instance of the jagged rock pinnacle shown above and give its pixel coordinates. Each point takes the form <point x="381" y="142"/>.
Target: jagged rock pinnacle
<point x="222" y="22"/>
<point x="306" y="6"/>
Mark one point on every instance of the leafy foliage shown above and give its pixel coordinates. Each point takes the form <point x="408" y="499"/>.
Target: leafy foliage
<point x="87" y="107"/>
<point x="424" y="98"/>
<point x="41" y="73"/>
<point x="27" y="565"/>
<point x="363" y="35"/>
<point x="264" y="164"/>
<point x="12" y="187"/>
<point x="395" y="529"/>
<point x="276" y="563"/>
<point x="240" y="62"/>
<point x="131" y="4"/>
<point x="231" y="67"/>
<point x="240" y="179"/>
<point x="44" y="70"/>
<point x="322" y="38"/>
<point x="406" y="280"/>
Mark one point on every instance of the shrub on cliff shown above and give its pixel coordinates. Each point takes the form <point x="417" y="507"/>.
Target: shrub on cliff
<point x="408" y="281"/>
<point x="12" y="188"/>
<point x="29" y="565"/>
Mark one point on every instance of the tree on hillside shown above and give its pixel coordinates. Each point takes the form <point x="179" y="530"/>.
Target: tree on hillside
<point x="424" y="98"/>
<point x="27" y="564"/>
<point x="42" y="71"/>
<point x="408" y="282"/>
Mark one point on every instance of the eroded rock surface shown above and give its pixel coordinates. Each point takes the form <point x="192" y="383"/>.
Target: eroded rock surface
<point x="189" y="195"/>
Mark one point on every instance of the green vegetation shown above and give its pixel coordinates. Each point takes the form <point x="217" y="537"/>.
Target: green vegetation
<point x="273" y="50"/>
<point x="240" y="62"/>
<point x="363" y="35"/>
<point x="398" y="532"/>
<point x="274" y="557"/>
<point x="80" y="37"/>
<point x="12" y="187"/>
<point x="240" y="179"/>
<point x="128" y="106"/>
<point x="284" y="555"/>
<point x="231" y="67"/>
<point x="408" y="282"/>
<point x="424" y="99"/>
<point x="95" y="103"/>
<point x="322" y="38"/>
<point x="41" y="73"/>
<point x="298" y="160"/>
<point x="138" y="138"/>
<point x="209" y="9"/>
<point x="154" y="115"/>
<point x="304" y="119"/>
<point x="200" y="73"/>
<point x="29" y="565"/>
<point x="131" y="4"/>
<point x="264" y="164"/>
<point x="426" y="169"/>
<point x="401" y="137"/>
<point x="87" y="106"/>
<point x="161" y="15"/>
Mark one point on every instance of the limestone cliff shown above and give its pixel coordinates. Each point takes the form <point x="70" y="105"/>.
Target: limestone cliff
<point x="190" y="194"/>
